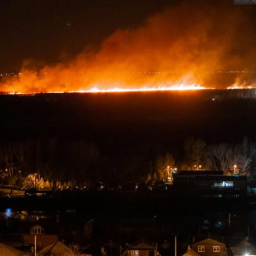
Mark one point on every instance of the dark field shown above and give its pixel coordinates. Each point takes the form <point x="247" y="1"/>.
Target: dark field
<point x="126" y="122"/>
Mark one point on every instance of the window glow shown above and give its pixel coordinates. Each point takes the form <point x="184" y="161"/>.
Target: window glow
<point x="223" y="184"/>
<point x="201" y="248"/>
<point x="216" y="248"/>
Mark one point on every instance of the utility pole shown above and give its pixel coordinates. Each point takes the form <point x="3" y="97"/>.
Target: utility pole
<point x="35" y="244"/>
<point x="120" y="250"/>
<point x="35" y="230"/>
<point x="175" y="245"/>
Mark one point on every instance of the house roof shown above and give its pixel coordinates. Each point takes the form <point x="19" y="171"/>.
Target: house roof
<point x="243" y="246"/>
<point x="209" y="241"/>
<point x="143" y="246"/>
<point x="57" y="248"/>
<point x="191" y="252"/>
<point x="6" y="250"/>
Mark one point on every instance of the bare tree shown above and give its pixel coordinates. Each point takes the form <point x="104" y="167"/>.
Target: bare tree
<point x="7" y="157"/>
<point x="194" y="150"/>
<point x="81" y="157"/>
<point x="222" y="156"/>
<point x="243" y="154"/>
<point x="164" y="165"/>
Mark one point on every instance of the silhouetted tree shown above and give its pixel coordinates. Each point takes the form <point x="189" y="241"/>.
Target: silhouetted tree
<point x="194" y="152"/>
<point x="164" y="166"/>
<point x="222" y="157"/>
<point x="243" y="156"/>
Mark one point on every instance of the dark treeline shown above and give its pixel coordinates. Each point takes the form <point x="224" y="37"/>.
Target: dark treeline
<point x="80" y="163"/>
<point x="81" y="139"/>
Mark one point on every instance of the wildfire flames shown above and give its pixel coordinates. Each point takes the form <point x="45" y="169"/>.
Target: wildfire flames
<point x="192" y="45"/>
<point x="180" y="87"/>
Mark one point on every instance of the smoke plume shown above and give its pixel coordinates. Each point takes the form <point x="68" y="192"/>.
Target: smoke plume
<point x="209" y="43"/>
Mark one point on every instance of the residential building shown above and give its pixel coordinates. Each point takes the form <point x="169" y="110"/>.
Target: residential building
<point x="211" y="183"/>
<point x="244" y="248"/>
<point x="141" y="249"/>
<point x="210" y="247"/>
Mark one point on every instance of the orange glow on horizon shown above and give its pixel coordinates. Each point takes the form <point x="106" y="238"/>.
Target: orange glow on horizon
<point x="179" y="87"/>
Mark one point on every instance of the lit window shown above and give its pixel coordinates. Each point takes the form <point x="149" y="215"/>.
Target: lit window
<point x="216" y="248"/>
<point x="136" y="252"/>
<point x="223" y="184"/>
<point x="201" y="248"/>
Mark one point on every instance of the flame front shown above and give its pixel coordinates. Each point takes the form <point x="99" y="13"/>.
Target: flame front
<point x="180" y="87"/>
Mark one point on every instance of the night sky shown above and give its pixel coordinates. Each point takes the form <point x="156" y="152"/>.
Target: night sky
<point x="50" y="31"/>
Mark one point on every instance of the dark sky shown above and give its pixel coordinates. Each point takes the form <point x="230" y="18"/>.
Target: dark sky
<point x="54" y="30"/>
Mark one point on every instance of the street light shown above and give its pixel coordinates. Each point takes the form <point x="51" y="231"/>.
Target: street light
<point x="235" y="168"/>
<point x="197" y="167"/>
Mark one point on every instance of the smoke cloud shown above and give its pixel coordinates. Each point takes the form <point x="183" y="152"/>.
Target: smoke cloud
<point x="209" y="43"/>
